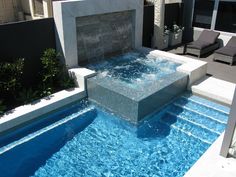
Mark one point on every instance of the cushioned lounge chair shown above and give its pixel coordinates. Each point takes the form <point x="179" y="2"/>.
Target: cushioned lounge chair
<point x="207" y="42"/>
<point x="227" y="53"/>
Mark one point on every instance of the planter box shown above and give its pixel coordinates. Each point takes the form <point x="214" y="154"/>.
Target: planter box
<point x="165" y="41"/>
<point x="175" y="38"/>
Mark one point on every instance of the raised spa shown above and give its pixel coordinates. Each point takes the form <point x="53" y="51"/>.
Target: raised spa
<point x="135" y="84"/>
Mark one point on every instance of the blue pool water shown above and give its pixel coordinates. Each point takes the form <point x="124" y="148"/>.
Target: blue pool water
<point x="84" y="140"/>
<point x="134" y="69"/>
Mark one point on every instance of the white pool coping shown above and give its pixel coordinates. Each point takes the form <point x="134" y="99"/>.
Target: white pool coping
<point x="211" y="164"/>
<point x="31" y="111"/>
<point x="215" y="89"/>
<point x="196" y="69"/>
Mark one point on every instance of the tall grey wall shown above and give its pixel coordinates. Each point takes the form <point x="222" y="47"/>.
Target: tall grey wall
<point x="27" y="40"/>
<point x="187" y="20"/>
<point x="101" y="36"/>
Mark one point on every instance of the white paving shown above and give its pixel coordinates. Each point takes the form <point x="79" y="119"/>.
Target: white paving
<point x="215" y="89"/>
<point x="31" y="111"/>
<point x="211" y="164"/>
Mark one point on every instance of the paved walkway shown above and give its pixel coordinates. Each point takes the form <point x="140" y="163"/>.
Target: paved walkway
<point x="215" y="89"/>
<point x="211" y="164"/>
<point x="217" y="69"/>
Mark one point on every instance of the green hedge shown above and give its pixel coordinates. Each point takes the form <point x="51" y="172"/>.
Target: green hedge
<point x="52" y="78"/>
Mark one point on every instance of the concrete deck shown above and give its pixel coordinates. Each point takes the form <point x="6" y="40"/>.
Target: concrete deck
<point x="219" y="87"/>
<point x="217" y="69"/>
<point x="215" y="89"/>
<point x="211" y="164"/>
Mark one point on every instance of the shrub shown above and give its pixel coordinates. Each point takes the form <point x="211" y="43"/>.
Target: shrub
<point x="176" y="28"/>
<point x="27" y="95"/>
<point x="166" y="30"/>
<point x="44" y="90"/>
<point x="51" y="67"/>
<point x="64" y="79"/>
<point x="10" y="77"/>
<point x="2" y="107"/>
<point x="54" y="75"/>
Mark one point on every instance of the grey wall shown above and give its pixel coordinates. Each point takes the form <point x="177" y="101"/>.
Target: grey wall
<point x="192" y="33"/>
<point x="148" y="25"/>
<point x="27" y="40"/>
<point x="187" y="20"/>
<point x="101" y="36"/>
<point x="173" y="13"/>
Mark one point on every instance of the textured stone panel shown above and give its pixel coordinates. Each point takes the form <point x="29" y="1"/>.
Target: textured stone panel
<point x="99" y="36"/>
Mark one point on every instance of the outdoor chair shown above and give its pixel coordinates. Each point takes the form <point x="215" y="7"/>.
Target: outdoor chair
<point x="227" y="53"/>
<point x="207" y="42"/>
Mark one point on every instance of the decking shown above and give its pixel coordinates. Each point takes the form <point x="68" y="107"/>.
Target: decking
<point x="217" y="69"/>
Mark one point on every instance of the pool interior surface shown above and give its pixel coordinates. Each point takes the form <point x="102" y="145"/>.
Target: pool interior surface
<point x="85" y="140"/>
<point x="134" y="69"/>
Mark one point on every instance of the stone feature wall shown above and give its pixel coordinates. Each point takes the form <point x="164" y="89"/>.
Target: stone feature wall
<point x="67" y="13"/>
<point x="101" y="36"/>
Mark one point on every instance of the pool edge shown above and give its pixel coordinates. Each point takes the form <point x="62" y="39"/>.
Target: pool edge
<point x="40" y="107"/>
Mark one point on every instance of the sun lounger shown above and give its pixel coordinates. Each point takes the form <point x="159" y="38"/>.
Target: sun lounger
<point x="227" y="53"/>
<point x="207" y="42"/>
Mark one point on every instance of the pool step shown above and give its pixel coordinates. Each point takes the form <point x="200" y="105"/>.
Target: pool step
<point x="205" y="109"/>
<point x="205" y="102"/>
<point x="196" y="117"/>
<point x="194" y="123"/>
<point x="189" y="128"/>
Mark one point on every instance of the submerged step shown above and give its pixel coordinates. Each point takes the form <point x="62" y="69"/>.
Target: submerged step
<point x="191" y="129"/>
<point x="192" y="116"/>
<point x="203" y="109"/>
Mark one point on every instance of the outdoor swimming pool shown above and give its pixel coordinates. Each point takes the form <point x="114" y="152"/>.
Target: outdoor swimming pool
<point x="85" y="140"/>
